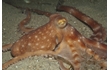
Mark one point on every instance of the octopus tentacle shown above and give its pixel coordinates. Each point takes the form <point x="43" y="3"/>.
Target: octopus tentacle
<point x="26" y="55"/>
<point x="33" y="10"/>
<point x="62" y="67"/>
<point x="99" y="31"/>
<point x="97" y="57"/>
<point x="25" y="21"/>
<point x="99" y="48"/>
<point x="69" y="54"/>
<point x="48" y="14"/>
<point x="6" y="47"/>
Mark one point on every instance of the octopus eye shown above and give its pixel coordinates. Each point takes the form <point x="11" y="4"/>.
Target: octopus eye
<point x="62" y="23"/>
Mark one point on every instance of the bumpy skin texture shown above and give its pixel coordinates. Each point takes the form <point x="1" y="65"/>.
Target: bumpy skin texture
<point x="60" y="39"/>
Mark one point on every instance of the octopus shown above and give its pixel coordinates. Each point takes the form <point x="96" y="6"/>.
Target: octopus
<point x="60" y="39"/>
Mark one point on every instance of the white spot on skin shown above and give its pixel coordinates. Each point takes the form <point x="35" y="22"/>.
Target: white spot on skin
<point x="38" y="39"/>
<point x="29" y="44"/>
<point x="48" y="40"/>
<point x="36" y="36"/>
<point x="50" y="34"/>
<point x="79" y="40"/>
<point x="51" y="30"/>
<point x="17" y="49"/>
<point x="73" y="48"/>
<point x="71" y="32"/>
<point x="40" y="32"/>
<point x="22" y="45"/>
<point x="44" y="37"/>
<point x="83" y="37"/>
<point x="37" y="44"/>
<point x="42" y="46"/>
<point x="89" y="51"/>
<point x="29" y="37"/>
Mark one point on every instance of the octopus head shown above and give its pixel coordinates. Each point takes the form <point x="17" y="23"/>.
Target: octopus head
<point x="58" y="20"/>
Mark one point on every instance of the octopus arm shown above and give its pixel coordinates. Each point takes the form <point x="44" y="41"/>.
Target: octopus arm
<point x="98" y="48"/>
<point x="99" y="31"/>
<point x="25" y="21"/>
<point x="26" y="55"/>
<point x="48" y="14"/>
<point x="6" y="47"/>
